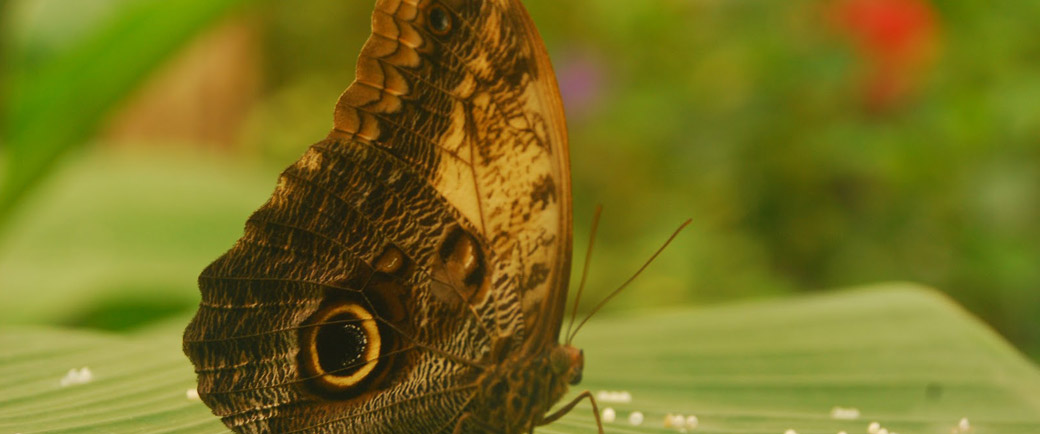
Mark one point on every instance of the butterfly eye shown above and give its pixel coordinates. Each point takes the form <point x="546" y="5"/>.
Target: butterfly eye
<point x="439" y="20"/>
<point x="339" y="346"/>
<point x="577" y="368"/>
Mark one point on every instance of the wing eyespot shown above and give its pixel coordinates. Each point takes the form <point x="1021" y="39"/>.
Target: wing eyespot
<point x="358" y="339"/>
<point x="340" y="346"/>
<point x="463" y="264"/>
<point x="392" y="261"/>
<point x="439" y="21"/>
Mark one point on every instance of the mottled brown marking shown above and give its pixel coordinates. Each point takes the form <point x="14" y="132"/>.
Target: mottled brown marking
<point x="539" y="274"/>
<point x="544" y="193"/>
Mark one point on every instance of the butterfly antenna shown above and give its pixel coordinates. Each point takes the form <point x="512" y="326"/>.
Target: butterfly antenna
<point x="630" y="279"/>
<point x="585" y="268"/>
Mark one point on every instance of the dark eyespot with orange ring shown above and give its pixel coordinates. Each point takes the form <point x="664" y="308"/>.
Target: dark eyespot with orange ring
<point x="339" y="346"/>
<point x="439" y="20"/>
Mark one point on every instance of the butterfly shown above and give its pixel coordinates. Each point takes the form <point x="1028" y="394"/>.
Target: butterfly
<point x="409" y="273"/>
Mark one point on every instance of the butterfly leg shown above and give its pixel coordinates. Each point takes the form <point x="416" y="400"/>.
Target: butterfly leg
<point x="570" y="406"/>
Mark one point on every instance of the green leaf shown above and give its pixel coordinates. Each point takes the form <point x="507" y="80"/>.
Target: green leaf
<point x="58" y="104"/>
<point x="128" y="252"/>
<point x="903" y="356"/>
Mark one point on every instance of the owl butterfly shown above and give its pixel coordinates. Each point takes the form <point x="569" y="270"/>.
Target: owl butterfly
<point x="409" y="273"/>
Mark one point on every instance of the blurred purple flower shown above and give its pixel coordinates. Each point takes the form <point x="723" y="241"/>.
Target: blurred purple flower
<point x="580" y="73"/>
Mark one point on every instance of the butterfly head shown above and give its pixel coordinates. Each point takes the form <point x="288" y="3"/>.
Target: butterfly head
<point x="567" y="362"/>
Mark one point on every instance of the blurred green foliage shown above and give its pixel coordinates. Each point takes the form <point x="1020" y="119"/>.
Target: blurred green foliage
<point x="751" y="117"/>
<point x="70" y="63"/>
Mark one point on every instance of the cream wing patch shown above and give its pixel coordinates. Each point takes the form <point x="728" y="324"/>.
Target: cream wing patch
<point x="511" y="190"/>
<point x="455" y="175"/>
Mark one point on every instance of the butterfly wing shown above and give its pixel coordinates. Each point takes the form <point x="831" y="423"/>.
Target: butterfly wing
<point x="433" y="221"/>
<point x="488" y="132"/>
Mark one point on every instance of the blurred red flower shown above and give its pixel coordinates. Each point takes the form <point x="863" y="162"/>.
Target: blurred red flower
<point x="897" y="41"/>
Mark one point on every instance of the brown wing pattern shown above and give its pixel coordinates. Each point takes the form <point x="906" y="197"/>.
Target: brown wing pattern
<point x="439" y="203"/>
<point x="499" y="151"/>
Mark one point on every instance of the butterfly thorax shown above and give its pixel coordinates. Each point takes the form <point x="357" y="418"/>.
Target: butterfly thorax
<point x="517" y="390"/>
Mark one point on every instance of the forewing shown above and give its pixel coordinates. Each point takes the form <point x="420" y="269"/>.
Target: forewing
<point x="478" y="112"/>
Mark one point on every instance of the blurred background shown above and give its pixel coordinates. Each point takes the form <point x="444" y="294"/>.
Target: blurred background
<point x="817" y="144"/>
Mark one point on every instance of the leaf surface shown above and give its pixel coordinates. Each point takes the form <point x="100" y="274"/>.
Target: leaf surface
<point x="903" y="356"/>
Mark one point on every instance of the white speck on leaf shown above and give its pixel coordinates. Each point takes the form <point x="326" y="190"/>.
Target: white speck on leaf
<point x="843" y="413"/>
<point x="622" y="397"/>
<point x="77" y="376"/>
<point x="674" y="420"/>
<point x="636" y="418"/>
<point x="692" y="422"/>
